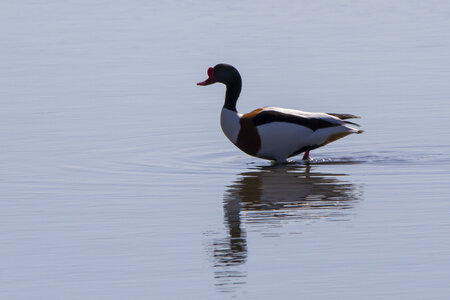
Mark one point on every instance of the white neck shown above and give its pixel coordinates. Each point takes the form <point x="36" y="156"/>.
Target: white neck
<point x="229" y="121"/>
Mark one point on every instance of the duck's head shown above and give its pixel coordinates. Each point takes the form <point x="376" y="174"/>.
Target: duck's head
<point x="223" y="73"/>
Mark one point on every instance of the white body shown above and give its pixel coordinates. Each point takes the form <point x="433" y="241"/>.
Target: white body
<point x="280" y="139"/>
<point x="229" y="121"/>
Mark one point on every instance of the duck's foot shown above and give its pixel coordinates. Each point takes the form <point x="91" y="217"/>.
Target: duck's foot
<point x="306" y="156"/>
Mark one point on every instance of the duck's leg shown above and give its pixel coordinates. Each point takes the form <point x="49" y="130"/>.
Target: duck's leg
<point x="306" y="156"/>
<point x="279" y="162"/>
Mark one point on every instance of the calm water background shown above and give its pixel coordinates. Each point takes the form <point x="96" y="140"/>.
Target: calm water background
<point x="117" y="182"/>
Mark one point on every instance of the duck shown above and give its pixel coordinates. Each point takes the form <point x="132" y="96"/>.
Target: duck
<point x="274" y="133"/>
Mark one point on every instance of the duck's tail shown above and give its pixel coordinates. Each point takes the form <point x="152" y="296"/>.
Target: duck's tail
<point x="348" y="116"/>
<point x="354" y="130"/>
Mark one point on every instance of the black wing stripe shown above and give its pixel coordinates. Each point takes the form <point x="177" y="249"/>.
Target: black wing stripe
<point x="269" y="116"/>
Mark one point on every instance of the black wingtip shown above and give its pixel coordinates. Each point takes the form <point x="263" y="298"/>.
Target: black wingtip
<point x="351" y="123"/>
<point x="344" y="116"/>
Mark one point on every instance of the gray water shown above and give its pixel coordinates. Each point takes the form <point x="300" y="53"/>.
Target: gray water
<point x="116" y="181"/>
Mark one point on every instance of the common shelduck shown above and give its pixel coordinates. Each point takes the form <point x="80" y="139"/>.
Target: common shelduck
<point x="274" y="133"/>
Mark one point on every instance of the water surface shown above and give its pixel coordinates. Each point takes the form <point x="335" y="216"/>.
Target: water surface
<point x="117" y="182"/>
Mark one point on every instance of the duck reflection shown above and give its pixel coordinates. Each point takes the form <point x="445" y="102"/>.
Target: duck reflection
<point x="266" y="197"/>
